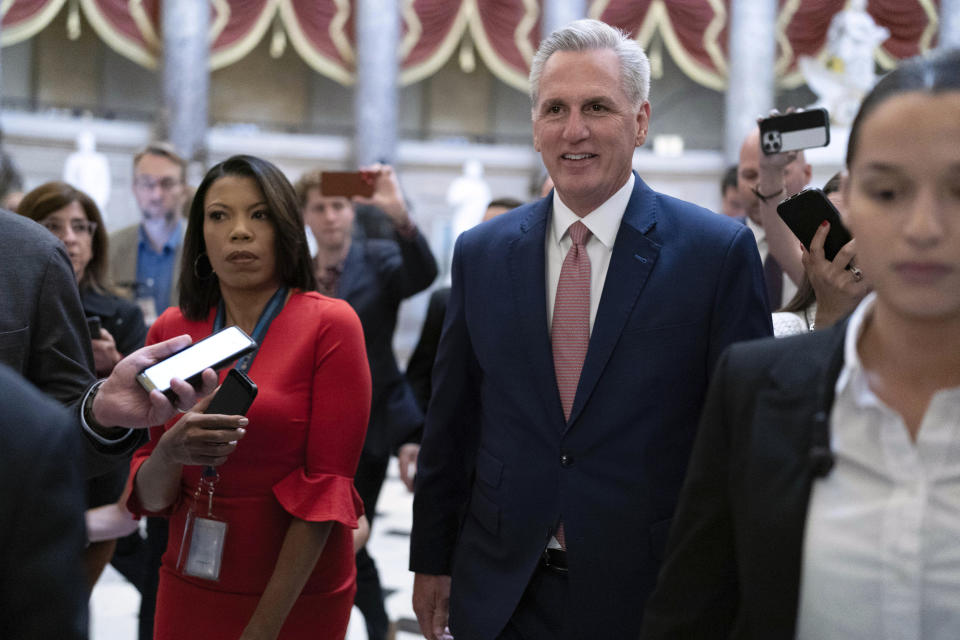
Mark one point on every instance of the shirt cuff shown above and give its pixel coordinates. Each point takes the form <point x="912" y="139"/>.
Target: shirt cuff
<point x="87" y="397"/>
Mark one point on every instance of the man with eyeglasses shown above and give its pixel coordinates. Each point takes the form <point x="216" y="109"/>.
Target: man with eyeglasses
<point x="145" y="257"/>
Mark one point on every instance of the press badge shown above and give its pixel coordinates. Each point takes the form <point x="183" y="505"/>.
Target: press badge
<point x="201" y="549"/>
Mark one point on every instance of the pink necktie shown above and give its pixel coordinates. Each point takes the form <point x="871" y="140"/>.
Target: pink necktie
<point x="570" y="331"/>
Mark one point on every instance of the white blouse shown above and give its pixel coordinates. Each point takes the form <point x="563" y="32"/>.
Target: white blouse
<point x="881" y="555"/>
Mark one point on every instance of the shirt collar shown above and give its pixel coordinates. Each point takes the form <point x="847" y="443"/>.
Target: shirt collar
<point x="852" y="378"/>
<point x="603" y="222"/>
<point x="172" y="242"/>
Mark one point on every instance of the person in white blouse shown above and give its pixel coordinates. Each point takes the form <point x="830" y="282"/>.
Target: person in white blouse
<point x="823" y="494"/>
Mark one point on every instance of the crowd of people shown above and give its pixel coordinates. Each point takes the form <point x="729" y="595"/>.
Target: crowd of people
<point x="601" y="434"/>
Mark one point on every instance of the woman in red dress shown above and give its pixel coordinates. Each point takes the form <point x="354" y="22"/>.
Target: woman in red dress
<point x="285" y="487"/>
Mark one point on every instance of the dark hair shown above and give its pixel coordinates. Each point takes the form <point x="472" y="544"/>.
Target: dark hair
<point x="295" y="269"/>
<point x="729" y="179"/>
<point x="506" y="203"/>
<point x="833" y="184"/>
<point x="53" y="196"/>
<point x="938" y="72"/>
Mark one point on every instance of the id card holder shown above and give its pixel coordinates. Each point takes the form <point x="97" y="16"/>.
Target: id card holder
<point x="204" y="534"/>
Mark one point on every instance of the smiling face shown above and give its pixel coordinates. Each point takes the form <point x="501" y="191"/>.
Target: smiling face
<point x="585" y="127"/>
<point x="239" y="235"/>
<point x="903" y="202"/>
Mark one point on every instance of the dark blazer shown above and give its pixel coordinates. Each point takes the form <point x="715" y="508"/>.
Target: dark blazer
<point x="121" y="318"/>
<point x="683" y="283"/>
<point x="733" y="562"/>
<point x="124" y="321"/>
<point x="420" y="366"/>
<point x="43" y="592"/>
<point x="43" y="331"/>
<point x="377" y="276"/>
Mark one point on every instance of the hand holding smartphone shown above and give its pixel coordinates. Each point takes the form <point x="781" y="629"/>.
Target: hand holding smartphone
<point x="803" y="214"/>
<point x="213" y="352"/>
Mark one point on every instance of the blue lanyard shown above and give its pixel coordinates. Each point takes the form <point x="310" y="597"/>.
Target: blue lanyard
<point x="270" y="312"/>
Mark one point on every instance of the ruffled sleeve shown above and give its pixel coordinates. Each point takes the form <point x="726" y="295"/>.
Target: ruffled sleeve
<point x="320" y="497"/>
<point x="322" y="490"/>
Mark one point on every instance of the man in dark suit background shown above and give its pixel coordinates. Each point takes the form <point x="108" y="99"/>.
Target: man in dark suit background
<point x="571" y="371"/>
<point x="42" y="587"/>
<point x="374" y="275"/>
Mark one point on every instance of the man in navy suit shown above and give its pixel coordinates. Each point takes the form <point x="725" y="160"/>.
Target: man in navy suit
<point x="541" y="511"/>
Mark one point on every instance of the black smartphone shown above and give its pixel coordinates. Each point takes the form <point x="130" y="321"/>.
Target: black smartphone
<point x="234" y="396"/>
<point x="345" y="183"/>
<point x="804" y="212"/>
<point x="797" y="130"/>
<point x="213" y="352"/>
<point x="94" y="326"/>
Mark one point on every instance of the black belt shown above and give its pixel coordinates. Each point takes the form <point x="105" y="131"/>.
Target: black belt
<point x="554" y="560"/>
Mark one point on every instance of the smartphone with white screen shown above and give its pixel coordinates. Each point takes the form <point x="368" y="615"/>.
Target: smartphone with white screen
<point x="213" y="352"/>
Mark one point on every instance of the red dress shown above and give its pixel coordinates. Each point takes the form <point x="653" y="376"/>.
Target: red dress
<point x="298" y="458"/>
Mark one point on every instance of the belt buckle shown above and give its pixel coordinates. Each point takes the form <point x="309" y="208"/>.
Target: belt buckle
<point x="555" y="560"/>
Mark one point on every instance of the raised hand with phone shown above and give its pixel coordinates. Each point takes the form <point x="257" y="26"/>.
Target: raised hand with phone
<point x="776" y="176"/>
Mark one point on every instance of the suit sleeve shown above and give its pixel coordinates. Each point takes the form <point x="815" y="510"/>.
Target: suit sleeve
<point x="740" y="311"/>
<point x="447" y="454"/>
<point x="696" y="595"/>
<point x="42" y="591"/>
<point x="61" y="359"/>
<point x="417" y="268"/>
<point x="421" y="362"/>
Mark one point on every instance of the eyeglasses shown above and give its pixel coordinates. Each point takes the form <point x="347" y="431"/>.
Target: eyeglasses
<point x="148" y="183"/>
<point x="79" y="227"/>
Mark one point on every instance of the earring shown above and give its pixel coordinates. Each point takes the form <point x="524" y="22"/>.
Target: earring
<point x="202" y="268"/>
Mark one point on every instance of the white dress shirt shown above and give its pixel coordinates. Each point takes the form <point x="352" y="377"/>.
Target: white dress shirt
<point x="881" y="555"/>
<point x="603" y="222"/>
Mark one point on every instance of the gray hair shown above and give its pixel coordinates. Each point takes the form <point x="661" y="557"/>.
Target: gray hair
<point x="589" y="35"/>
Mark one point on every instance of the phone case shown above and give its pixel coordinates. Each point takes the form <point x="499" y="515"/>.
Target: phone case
<point x="345" y="184"/>
<point x="803" y="214"/>
<point x="792" y="131"/>
<point x="235" y="395"/>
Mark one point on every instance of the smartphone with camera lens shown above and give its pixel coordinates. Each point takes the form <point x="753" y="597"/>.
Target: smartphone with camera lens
<point x="803" y="214"/>
<point x="213" y="352"/>
<point x="794" y="131"/>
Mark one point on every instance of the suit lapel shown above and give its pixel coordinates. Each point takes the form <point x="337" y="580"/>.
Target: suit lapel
<point x="351" y="269"/>
<point x="527" y="267"/>
<point x="631" y="262"/>
<point x="781" y="473"/>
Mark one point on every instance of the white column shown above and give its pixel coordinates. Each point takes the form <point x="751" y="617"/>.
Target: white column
<point x="375" y="97"/>
<point x="186" y="76"/>
<point x="949" y="24"/>
<point x="559" y="13"/>
<point x="751" y="82"/>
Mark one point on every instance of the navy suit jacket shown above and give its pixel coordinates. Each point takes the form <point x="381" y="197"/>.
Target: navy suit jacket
<point x="378" y="275"/>
<point x="499" y="464"/>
